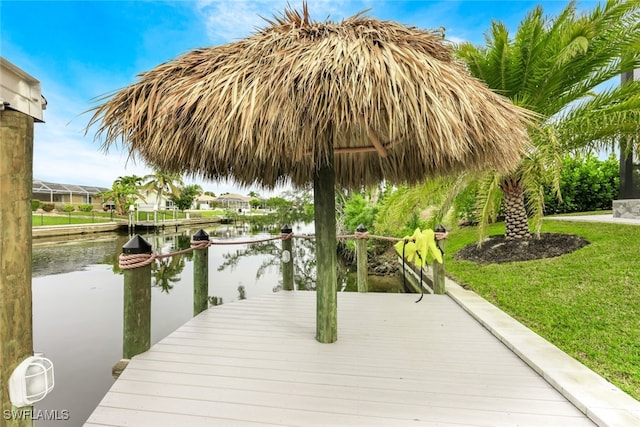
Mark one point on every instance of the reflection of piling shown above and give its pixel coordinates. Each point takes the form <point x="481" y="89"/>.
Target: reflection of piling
<point x="361" y="260"/>
<point x="137" y="301"/>
<point x="287" y="258"/>
<point x="200" y="273"/>
<point x="438" y="268"/>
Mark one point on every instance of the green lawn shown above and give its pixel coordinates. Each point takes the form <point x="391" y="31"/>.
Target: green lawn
<point x="587" y="303"/>
<point x="40" y="220"/>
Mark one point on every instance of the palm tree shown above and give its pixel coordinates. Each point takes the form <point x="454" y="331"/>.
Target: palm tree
<point x="123" y="192"/>
<point x="557" y="68"/>
<point x="162" y="182"/>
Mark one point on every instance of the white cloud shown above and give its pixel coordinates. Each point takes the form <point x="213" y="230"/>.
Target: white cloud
<point x="228" y="21"/>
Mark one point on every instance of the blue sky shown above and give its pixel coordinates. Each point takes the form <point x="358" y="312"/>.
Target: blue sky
<point x="82" y="50"/>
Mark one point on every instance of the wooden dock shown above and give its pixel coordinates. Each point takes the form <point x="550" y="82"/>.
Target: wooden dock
<point x="396" y="363"/>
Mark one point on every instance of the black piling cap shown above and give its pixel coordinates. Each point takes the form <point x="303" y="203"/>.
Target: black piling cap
<point x="440" y="229"/>
<point x="361" y="228"/>
<point x="286" y="229"/>
<point x="137" y="245"/>
<point x="200" y="236"/>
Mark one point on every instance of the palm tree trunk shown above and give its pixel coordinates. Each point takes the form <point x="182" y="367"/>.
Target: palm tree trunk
<point x="159" y="199"/>
<point x="515" y="215"/>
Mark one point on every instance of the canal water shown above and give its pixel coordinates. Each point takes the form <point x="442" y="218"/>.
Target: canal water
<point x="78" y="302"/>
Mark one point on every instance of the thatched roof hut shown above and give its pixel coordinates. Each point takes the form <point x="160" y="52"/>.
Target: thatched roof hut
<point x="358" y="102"/>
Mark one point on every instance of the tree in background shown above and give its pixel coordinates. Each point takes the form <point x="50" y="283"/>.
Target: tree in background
<point x="186" y="196"/>
<point x="162" y="182"/>
<point x="556" y="68"/>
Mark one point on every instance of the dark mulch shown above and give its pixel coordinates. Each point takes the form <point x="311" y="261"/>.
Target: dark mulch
<point x="498" y="250"/>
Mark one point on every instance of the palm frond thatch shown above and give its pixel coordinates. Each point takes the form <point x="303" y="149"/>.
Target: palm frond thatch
<point x="390" y="101"/>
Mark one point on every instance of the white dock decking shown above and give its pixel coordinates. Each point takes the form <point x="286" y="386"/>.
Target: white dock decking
<point x="256" y="362"/>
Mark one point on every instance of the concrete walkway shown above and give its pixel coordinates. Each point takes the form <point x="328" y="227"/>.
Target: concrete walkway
<point x="608" y="218"/>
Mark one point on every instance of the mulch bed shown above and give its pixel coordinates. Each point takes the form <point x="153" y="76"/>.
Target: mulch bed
<point x="498" y="250"/>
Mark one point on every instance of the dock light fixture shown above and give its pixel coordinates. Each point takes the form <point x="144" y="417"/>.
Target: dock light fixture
<point x="286" y="254"/>
<point x="31" y="381"/>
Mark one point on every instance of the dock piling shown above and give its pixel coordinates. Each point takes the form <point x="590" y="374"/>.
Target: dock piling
<point x="287" y="258"/>
<point x="361" y="260"/>
<point x="200" y="273"/>
<point x="136" y="337"/>
<point x="438" y="268"/>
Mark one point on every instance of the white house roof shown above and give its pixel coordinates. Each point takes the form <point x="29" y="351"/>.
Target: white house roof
<point x="233" y="197"/>
<point x="19" y="91"/>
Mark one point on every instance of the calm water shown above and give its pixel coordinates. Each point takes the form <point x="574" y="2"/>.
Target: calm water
<point x="78" y="302"/>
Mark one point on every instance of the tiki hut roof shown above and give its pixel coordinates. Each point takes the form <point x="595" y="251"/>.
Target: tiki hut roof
<point x="390" y="101"/>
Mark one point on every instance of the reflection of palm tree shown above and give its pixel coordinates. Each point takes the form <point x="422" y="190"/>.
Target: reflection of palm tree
<point x="166" y="271"/>
<point x="304" y="261"/>
<point x="182" y="242"/>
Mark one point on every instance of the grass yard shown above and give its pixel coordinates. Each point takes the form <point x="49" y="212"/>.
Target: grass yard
<point x="38" y="220"/>
<point x="587" y="302"/>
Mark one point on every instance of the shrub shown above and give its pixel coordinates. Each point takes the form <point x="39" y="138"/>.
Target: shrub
<point x="359" y="210"/>
<point x="68" y="208"/>
<point x="465" y="207"/>
<point x="48" y="207"/>
<point x="35" y="204"/>
<point x="85" y="207"/>
<point x="586" y="184"/>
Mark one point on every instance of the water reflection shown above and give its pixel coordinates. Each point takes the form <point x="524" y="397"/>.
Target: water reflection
<point x="77" y="254"/>
<point x="303" y="258"/>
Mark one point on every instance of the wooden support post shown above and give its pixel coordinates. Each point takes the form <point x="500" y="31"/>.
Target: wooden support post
<point x="362" y="261"/>
<point x="438" y="268"/>
<point x="16" y="328"/>
<point x="326" y="257"/>
<point x="136" y="337"/>
<point x="287" y="259"/>
<point x="200" y="273"/>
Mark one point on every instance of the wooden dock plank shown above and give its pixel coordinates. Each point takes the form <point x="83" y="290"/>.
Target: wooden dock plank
<point x="395" y="363"/>
<point x="385" y="395"/>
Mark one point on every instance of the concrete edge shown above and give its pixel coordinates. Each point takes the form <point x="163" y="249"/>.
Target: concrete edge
<point x="602" y="402"/>
<point x="73" y="229"/>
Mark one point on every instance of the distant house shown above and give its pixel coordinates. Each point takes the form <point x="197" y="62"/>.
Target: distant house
<point x="51" y="192"/>
<point x="234" y="201"/>
<point x="204" y="202"/>
<point x="150" y="201"/>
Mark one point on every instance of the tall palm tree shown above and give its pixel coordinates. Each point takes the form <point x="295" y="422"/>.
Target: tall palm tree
<point x="560" y="68"/>
<point x="162" y="182"/>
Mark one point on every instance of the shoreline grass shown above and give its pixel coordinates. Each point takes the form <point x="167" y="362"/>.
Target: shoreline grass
<point x="587" y="303"/>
